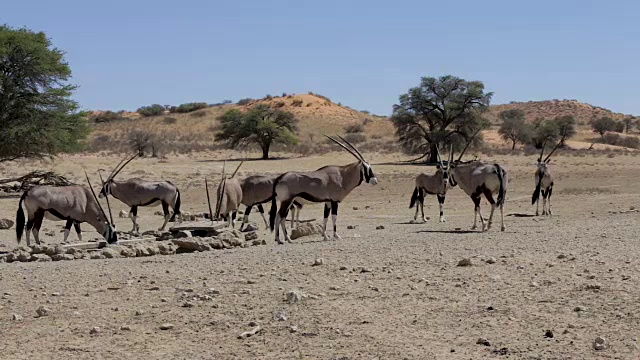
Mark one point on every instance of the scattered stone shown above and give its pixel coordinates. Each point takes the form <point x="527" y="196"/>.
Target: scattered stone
<point x="483" y="341"/>
<point x="600" y="343"/>
<point x="55" y="294"/>
<point x="247" y="334"/>
<point x="43" y="311"/>
<point x="6" y="224"/>
<point x="250" y="227"/>
<point x="253" y="323"/>
<point x="125" y="328"/>
<point x="166" y="326"/>
<point x="534" y="284"/>
<point x="17" y="317"/>
<point x="294" y="296"/>
<point x="139" y="312"/>
<point x="380" y="227"/>
<point x="293" y="329"/>
<point x="123" y="214"/>
<point x="110" y="253"/>
<point x="154" y="288"/>
<point x="213" y="291"/>
<point x="335" y="288"/>
<point x="182" y="234"/>
<point x="94" y="330"/>
<point x="548" y="334"/>
<point x="187" y="304"/>
<point x="355" y="208"/>
<point x="562" y="256"/>
<point x="192" y="244"/>
<point x="318" y="262"/>
<point x="491" y="260"/>
<point x="465" y="262"/>
<point x="351" y="227"/>
<point x="580" y="309"/>
<point x="40" y="257"/>
<point x="306" y="229"/>
<point x="250" y="236"/>
<point x="343" y="267"/>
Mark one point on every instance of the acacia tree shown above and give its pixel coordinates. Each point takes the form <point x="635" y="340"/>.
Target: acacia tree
<point x="566" y="127"/>
<point x="603" y="125"/>
<point x="37" y="116"/>
<point x="514" y="127"/>
<point x="629" y="122"/>
<point x="259" y="125"/>
<point x="441" y="111"/>
<point x="544" y="131"/>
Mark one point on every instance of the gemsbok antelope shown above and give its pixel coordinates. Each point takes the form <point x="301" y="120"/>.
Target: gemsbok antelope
<point x="229" y="196"/>
<point x="329" y="184"/>
<point x="544" y="182"/>
<point x="137" y="192"/>
<point x="73" y="203"/>
<point x="257" y="190"/>
<point x="435" y="184"/>
<point x="477" y="179"/>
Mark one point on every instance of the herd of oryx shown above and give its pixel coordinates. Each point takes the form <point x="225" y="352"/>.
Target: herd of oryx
<point x="289" y="191"/>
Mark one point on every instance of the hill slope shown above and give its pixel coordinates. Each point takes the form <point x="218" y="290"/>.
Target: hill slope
<point x="548" y="109"/>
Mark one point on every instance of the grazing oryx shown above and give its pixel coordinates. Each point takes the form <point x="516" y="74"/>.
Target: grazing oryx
<point x="229" y="196"/>
<point x="476" y="179"/>
<point x="544" y="182"/>
<point x="329" y="184"/>
<point x="73" y="203"/>
<point x="431" y="184"/>
<point x="137" y="192"/>
<point x="257" y="190"/>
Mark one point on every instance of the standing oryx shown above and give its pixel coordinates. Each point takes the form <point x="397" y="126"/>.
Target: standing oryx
<point x="329" y="184"/>
<point x="73" y="203"/>
<point x="431" y="184"/>
<point x="257" y="190"/>
<point x="229" y="196"/>
<point x="476" y="179"/>
<point x="544" y="182"/>
<point x="137" y="192"/>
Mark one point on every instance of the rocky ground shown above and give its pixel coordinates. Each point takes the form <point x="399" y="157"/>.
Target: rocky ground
<point x="547" y="288"/>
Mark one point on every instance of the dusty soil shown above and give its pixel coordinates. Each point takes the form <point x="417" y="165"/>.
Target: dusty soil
<point x="391" y="293"/>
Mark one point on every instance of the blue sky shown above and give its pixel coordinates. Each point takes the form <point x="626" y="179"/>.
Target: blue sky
<point x="125" y="54"/>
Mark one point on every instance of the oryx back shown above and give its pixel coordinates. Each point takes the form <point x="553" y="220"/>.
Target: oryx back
<point x="140" y="192"/>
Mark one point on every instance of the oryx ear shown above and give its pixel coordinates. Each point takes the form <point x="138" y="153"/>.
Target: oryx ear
<point x="438" y="166"/>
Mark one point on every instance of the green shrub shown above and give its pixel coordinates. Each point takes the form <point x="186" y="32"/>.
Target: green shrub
<point x="151" y="110"/>
<point x="198" y="114"/>
<point x="246" y="101"/>
<point x="611" y="138"/>
<point x="188" y="107"/>
<point x="354" y="128"/>
<point x="630" y="142"/>
<point x="107" y="116"/>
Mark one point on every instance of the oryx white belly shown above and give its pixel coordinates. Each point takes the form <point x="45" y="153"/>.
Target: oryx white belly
<point x="50" y="216"/>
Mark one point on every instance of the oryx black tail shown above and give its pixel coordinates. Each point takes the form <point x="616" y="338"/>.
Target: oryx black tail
<point x="20" y="218"/>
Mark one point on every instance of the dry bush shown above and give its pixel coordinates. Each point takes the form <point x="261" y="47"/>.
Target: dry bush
<point x="588" y="191"/>
<point x="169" y="120"/>
<point x="297" y="103"/>
<point x="245" y="101"/>
<point x="355" y="138"/>
<point x="354" y="129"/>
<point x="198" y="114"/>
<point x="278" y="104"/>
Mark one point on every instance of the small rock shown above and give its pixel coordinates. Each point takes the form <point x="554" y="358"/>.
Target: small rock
<point x="247" y="334"/>
<point x="293" y="329"/>
<point x="166" y="326"/>
<point x="351" y="227"/>
<point x="334" y="288"/>
<point x="343" y="268"/>
<point x="6" y="224"/>
<point x="562" y="256"/>
<point x="154" y="288"/>
<point x="123" y="214"/>
<point x="380" y="227"/>
<point x="580" y="309"/>
<point x="125" y="328"/>
<point x="43" y="311"/>
<point x="187" y="304"/>
<point x="483" y="341"/>
<point x="294" y="296"/>
<point x="55" y="294"/>
<point x="253" y="323"/>
<point x="318" y="262"/>
<point x="548" y="334"/>
<point x="250" y="236"/>
<point x="600" y="343"/>
<point x="465" y="262"/>
<point x="534" y="284"/>
<point x="213" y="291"/>
<point x="139" y="312"/>
<point x="491" y="260"/>
<point x="280" y="316"/>
<point x="17" y="317"/>
<point x="251" y="227"/>
<point x="94" y="330"/>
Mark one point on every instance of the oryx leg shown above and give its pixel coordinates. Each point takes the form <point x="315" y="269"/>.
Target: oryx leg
<point x="544" y="202"/>
<point x="76" y="226"/>
<point x="281" y="220"/>
<point x="476" y="210"/>
<point x="37" y="223"/>
<point x="441" y="205"/>
<point x="489" y="196"/>
<point x="421" y="204"/>
<point x="167" y="216"/>
<point x="30" y="222"/>
<point x="67" y="229"/>
<point x="245" y="218"/>
<point x="415" y="217"/>
<point x="293" y="216"/>
<point x="327" y="210"/>
<point x="502" y="227"/>
<point x="538" y="206"/>
<point x="261" y="211"/>
<point x="549" y="196"/>
<point x="298" y="209"/>
<point x="233" y="219"/>
<point x="133" y="214"/>
<point x="334" y="219"/>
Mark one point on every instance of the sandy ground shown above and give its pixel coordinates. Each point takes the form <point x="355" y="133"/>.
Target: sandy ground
<point x="412" y="300"/>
